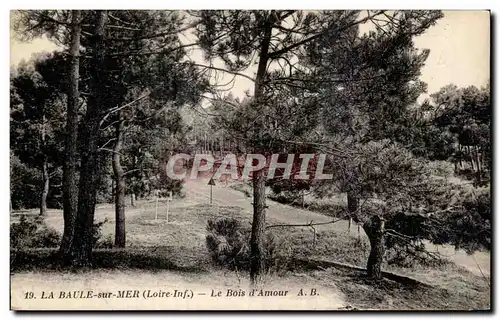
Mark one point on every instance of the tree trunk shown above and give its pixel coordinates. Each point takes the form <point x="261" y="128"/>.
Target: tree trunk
<point x="478" y="165"/>
<point x="471" y="158"/>
<point x="132" y="199"/>
<point x="83" y="241"/>
<point x="375" y="230"/>
<point x="258" y="226"/>
<point x="460" y="165"/>
<point x="259" y="183"/>
<point x="70" y="183"/>
<point x="120" y="188"/>
<point x="352" y="208"/>
<point x="221" y="145"/>
<point x="45" y="171"/>
<point x="45" y="190"/>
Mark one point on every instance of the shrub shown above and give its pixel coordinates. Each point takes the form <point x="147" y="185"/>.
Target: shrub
<point x="469" y="227"/>
<point x="283" y="197"/>
<point x="245" y="188"/>
<point x="24" y="185"/>
<point x="32" y="233"/>
<point x="97" y="234"/>
<point x="228" y="243"/>
<point x="106" y="243"/>
<point x="406" y="254"/>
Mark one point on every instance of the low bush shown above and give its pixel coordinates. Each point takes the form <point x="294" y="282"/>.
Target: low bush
<point x="106" y="243"/>
<point x="97" y="241"/>
<point x="32" y="233"/>
<point x="323" y="206"/>
<point x="405" y="254"/>
<point x="228" y="243"/>
<point x="245" y="188"/>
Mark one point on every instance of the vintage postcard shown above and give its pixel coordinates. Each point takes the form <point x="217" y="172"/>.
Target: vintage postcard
<point x="250" y="160"/>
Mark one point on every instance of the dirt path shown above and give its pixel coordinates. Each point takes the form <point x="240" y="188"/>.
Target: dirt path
<point x="226" y="196"/>
<point x="199" y="191"/>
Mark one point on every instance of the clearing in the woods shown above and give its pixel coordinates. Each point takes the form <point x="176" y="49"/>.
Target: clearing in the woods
<point x="173" y="254"/>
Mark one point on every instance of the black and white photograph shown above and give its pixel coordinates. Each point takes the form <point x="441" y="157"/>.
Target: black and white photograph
<point x="250" y="160"/>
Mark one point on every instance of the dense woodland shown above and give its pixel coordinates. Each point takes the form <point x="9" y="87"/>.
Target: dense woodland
<point x="97" y="120"/>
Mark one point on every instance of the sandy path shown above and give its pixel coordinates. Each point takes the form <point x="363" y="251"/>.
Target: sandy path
<point x="229" y="197"/>
<point x="199" y="191"/>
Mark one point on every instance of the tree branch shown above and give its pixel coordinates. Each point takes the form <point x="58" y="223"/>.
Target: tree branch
<point x="224" y="70"/>
<point x="110" y="140"/>
<point x="130" y="171"/>
<point x="130" y="53"/>
<point x="156" y="35"/>
<point x="310" y="224"/>
<point x="275" y="54"/>
<point x="109" y="150"/>
<point x="113" y="110"/>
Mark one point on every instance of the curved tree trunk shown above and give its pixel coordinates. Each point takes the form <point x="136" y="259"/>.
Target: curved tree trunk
<point x="375" y="231"/>
<point x="70" y="184"/>
<point x="120" y="188"/>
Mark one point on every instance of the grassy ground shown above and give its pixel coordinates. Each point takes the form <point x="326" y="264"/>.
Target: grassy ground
<point x="160" y="249"/>
<point x="390" y="295"/>
<point x="444" y="286"/>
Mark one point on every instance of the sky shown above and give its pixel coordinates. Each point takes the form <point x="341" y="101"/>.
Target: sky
<point x="459" y="52"/>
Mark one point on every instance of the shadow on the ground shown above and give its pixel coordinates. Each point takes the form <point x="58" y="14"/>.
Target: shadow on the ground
<point x="147" y="258"/>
